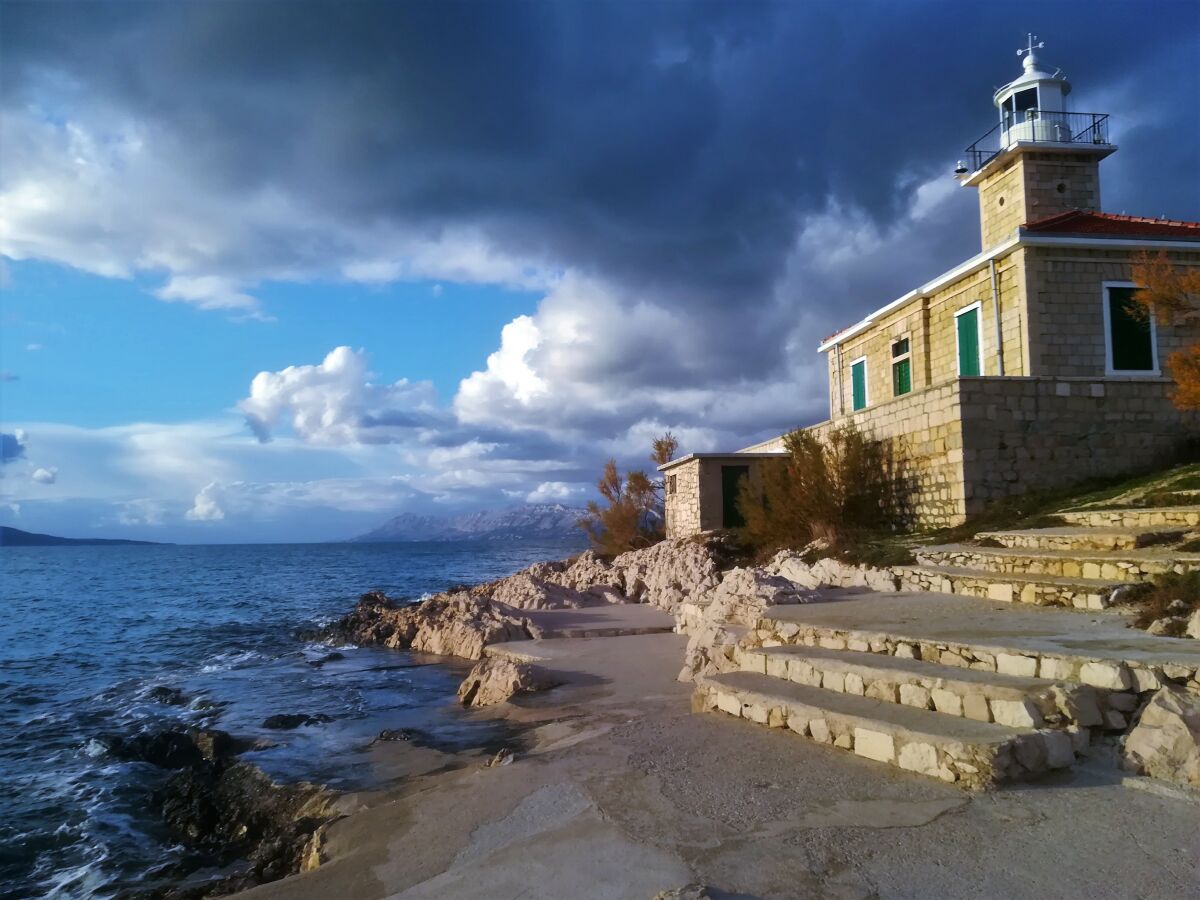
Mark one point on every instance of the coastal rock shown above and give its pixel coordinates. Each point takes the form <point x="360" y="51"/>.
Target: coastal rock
<point x="178" y="748"/>
<point x="451" y="624"/>
<point x="167" y="695"/>
<point x="716" y="627"/>
<point x="1165" y="743"/>
<point x="495" y="680"/>
<point x="829" y="572"/>
<point x="288" y="721"/>
<point x="687" y="892"/>
<point x="668" y="573"/>
<point x="1192" y="629"/>
<point x="228" y="808"/>
<point x="233" y="810"/>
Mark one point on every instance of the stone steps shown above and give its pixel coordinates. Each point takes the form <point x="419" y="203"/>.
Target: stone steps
<point x="1102" y="565"/>
<point x="1080" y="538"/>
<point x="1159" y="517"/>
<point x="958" y="750"/>
<point x="1009" y="587"/>
<point x="949" y="686"/>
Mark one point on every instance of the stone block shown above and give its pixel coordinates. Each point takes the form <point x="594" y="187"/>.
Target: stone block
<point x="874" y="745"/>
<point x="798" y="724"/>
<point x="1060" y="752"/>
<point x="882" y="690"/>
<point x="1145" y="680"/>
<point x="1113" y="676"/>
<point x="1011" y="664"/>
<point x="776" y="718"/>
<point x="947" y="702"/>
<point x="834" y="681"/>
<point x="819" y="730"/>
<point x="914" y="695"/>
<point x="844" y="741"/>
<point x="756" y="713"/>
<point x="1122" y="702"/>
<point x="975" y="706"/>
<point x="854" y="684"/>
<point x="730" y="704"/>
<point x="1016" y="713"/>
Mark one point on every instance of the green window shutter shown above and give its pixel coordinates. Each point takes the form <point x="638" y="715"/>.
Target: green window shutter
<point x="968" y="343"/>
<point x="901" y="377"/>
<point x="1128" y="334"/>
<point x="858" y="382"/>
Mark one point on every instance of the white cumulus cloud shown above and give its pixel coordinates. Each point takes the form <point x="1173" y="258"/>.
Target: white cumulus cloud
<point x="336" y="403"/>
<point x="45" y="475"/>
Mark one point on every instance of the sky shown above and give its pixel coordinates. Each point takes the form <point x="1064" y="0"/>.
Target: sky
<point x="277" y="272"/>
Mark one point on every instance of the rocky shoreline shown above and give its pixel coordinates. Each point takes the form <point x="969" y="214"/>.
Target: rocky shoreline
<point x="233" y="810"/>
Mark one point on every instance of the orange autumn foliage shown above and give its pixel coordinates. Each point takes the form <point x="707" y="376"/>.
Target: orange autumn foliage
<point x="1171" y="294"/>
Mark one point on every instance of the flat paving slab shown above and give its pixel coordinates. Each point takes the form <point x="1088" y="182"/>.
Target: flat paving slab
<point x="610" y="620"/>
<point x="951" y="618"/>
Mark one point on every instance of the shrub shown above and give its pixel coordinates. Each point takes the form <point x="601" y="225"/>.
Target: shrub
<point x="633" y="517"/>
<point x="838" y="490"/>
<point x="1171" y="596"/>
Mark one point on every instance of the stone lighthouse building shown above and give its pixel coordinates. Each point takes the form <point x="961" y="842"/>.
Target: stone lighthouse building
<point x="1023" y="367"/>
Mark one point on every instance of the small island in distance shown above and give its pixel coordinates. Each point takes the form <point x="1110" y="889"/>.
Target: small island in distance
<point x="15" y="537"/>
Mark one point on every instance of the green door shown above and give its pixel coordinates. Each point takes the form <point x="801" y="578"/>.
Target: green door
<point x="731" y="483"/>
<point x="1128" y="333"/>
<point x="967" y="324"/>
<point x="858" y="385"/>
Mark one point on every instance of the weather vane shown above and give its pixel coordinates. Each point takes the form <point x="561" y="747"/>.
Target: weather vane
<point x="1032" y="46"/>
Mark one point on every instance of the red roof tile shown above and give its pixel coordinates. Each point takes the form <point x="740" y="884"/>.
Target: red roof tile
<point x="1079" y="221"/>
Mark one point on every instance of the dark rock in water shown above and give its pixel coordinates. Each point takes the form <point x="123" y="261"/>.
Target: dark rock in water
<point x="327" y="658"/>
<point x="178" y="748"/>
<point x="288" y="721"/>
<point x="234" y="810"/>
<point x="227" y="808"/>
<point x="171" y="696"/>
<point x="395" y="734"/>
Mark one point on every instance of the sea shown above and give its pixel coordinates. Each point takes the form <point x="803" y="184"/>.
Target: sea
<point x="97" y="641"/>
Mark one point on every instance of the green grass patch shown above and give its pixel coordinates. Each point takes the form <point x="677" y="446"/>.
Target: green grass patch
<point x="1172" y="596"/>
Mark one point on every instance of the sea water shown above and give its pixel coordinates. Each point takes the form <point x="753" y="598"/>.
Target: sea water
<point x="88" y="633"/>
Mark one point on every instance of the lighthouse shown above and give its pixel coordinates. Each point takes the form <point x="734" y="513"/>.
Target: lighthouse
<point x="1041" y="158"/>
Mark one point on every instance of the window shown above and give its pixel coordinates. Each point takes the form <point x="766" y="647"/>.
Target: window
<point x="901" y="367"/>
<point x="671" y="484"/>
<point x="1130" y="340"/>
<point x="966" y="326"/>
<point x="858" y="384"/>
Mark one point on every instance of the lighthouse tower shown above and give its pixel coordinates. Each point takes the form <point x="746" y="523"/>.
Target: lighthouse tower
<point x="1040" y="159"/>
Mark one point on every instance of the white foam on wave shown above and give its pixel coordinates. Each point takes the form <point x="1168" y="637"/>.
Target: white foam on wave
<point x="231" y="659"/>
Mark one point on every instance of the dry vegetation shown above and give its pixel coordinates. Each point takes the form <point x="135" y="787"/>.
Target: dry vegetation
<point x="632" y="515"/>
<point x="1171" y="294"/>
<point x="846" y="492"/>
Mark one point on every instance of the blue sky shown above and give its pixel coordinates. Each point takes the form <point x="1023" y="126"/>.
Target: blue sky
<point x="281" y="276"/>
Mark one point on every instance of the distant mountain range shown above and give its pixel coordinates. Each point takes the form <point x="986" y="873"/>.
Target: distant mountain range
<point x="15" y="537"/>
<point x="543" y="521"/>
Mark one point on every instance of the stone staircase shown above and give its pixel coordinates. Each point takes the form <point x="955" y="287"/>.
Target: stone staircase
<point x="974" y="694"/>
<point x="1082" y="566"/>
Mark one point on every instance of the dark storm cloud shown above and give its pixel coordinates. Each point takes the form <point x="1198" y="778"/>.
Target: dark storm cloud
<point x="668" y="146"/>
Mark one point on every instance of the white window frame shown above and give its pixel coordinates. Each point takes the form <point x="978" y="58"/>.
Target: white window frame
<point x="1156" y="372"/>
<point x="906" y="336"/>
<point x="866" y="383"/>
<point x="977" y="305"/>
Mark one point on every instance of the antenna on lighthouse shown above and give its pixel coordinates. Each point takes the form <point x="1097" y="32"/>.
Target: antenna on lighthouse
<point x="1032" y="46"/>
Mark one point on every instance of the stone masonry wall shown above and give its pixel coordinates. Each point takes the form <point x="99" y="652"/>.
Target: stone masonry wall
<point x="683" y="499"/>
<point x="925" y="432"/>
<point x="1021" y="434"/>
<point x="1066" y="325"/>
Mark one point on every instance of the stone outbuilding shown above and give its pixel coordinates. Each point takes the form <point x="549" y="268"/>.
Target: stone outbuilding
<point x="1026" y="366"/>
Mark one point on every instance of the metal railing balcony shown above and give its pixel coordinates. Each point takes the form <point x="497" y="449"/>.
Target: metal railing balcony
<point x="1038" y="126"/>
